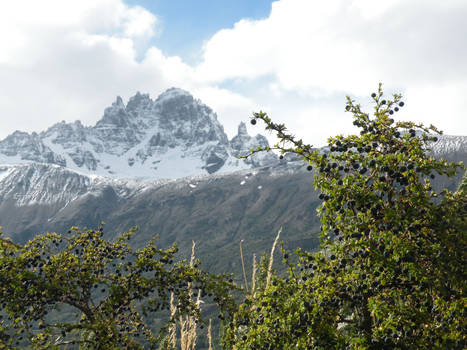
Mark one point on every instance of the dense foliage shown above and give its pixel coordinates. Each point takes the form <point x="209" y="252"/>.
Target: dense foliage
<point x="110" y="292"/>
<point x="391" y="271"/>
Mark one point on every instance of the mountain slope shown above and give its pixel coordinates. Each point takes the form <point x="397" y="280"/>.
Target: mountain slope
<point x="171" y="137"/>
<point x="217" y="211"/>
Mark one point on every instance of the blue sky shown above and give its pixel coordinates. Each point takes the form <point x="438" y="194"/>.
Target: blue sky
<point x="186" y="24"/>
<point x="295" y="59"/>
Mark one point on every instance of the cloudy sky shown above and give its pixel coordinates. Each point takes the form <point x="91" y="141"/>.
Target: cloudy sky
<point x="295" y="59"/>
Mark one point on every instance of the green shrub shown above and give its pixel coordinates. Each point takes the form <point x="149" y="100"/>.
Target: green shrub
<point x="391" y="270"/>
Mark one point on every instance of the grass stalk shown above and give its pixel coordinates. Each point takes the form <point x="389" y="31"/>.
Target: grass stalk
<point x="271" y="258"/>
<point x="210" y="335"/>
<point x="253" y="277"/>
<point x="173" y="326"/>
<point x="243" y="266"/>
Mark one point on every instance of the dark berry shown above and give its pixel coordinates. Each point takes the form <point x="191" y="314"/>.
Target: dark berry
<point x="396" y="109"/>
<point x="401" y="104"/>
<point x="391" y="112"/>
<point x="383" y="102"/>
<point x="253" y="121"/>
<point x="309" y="168"/>
<point x="373" y="95"/>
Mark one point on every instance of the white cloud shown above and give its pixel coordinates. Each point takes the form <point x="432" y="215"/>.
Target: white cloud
<point x="63" y="59"/>
<point x="69" y="59"/>
<point x="328" y="49"/>
<point x="230" y="107"/>
<point x="343" y="45"/>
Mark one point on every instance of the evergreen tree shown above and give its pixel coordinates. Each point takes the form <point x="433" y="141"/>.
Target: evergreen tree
<point x="391" y="270"/>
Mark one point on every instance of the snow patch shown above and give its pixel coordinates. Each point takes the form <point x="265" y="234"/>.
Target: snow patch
<point x="4" y="172"/>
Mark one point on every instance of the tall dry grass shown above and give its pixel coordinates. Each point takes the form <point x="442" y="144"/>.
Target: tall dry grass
<point x="271" y="258"/>
<point x="186" y="323"/>
<point x="252" y="292"/>
<point x="243" y="266"/>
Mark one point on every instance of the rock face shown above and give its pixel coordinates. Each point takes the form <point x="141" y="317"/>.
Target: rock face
<point x="170" y="137"/>
<point x="242" y="143"/>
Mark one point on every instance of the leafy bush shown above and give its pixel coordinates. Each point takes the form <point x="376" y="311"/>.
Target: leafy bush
<point x="390" y="273"/>
<point x="110" y="292"/>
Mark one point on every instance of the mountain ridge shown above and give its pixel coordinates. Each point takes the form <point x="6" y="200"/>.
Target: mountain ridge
<point x="172" y="136"/>
<point x="208" y="199"/>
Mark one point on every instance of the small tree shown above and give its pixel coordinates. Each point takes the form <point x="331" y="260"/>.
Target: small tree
<point x="109" y="291"/>
<point x="390" y="274"/>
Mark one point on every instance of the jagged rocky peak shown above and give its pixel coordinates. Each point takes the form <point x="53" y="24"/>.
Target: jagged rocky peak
<point x="23" y="147"/>
<point x="64" y="133"/>
<point x="13" y="143"/>
<point x="242" y="131"/>
<point x="173" y="136"/>
<point x="188" y="119"/>
<point x="242" y="143"/>
<point x="114" y="115"/>
<point x="138" y="103"/>
<point x="174" y="93"/>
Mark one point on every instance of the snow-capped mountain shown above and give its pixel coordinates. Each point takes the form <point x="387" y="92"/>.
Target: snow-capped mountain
<point x="165" y="164"/>
<point x="450" y="146"/>
<point x="171" y="137"/>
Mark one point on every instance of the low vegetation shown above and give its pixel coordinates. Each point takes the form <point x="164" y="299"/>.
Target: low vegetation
<point x="109" y="292"/>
